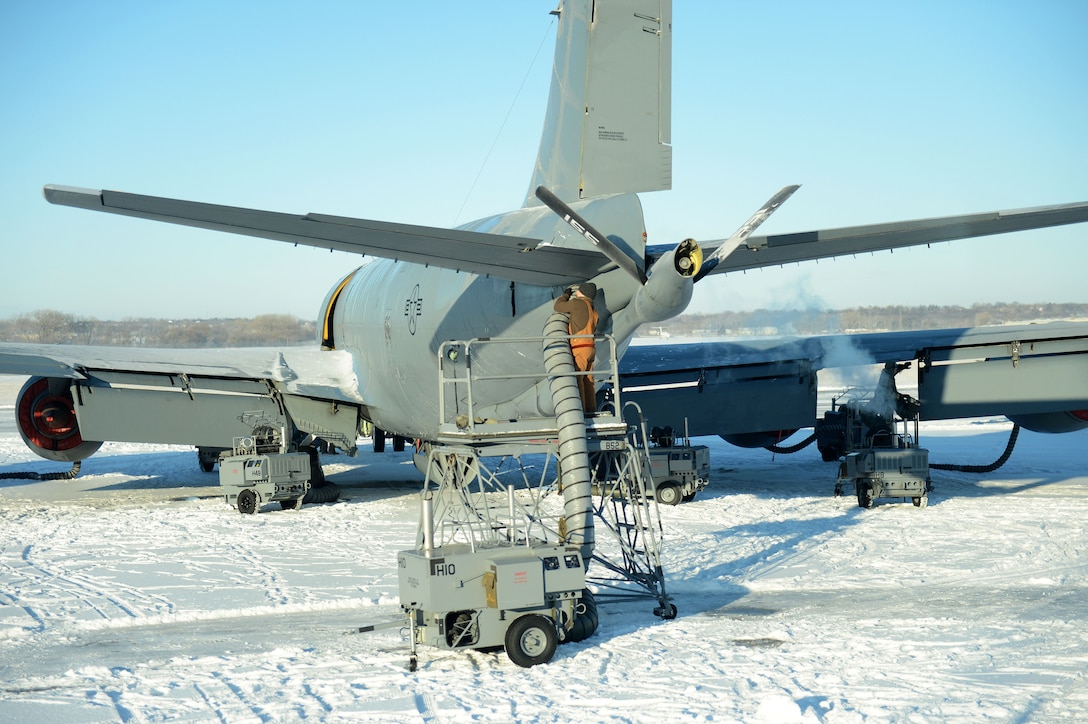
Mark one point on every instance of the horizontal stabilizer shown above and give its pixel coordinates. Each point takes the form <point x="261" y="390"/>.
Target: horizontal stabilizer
<point x="789" y="248"/>
<point x="508" y="257"/>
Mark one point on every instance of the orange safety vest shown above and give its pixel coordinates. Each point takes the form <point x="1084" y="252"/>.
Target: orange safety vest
<point x="590" y="327"/>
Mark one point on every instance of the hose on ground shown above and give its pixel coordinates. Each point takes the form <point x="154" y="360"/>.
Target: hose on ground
<point x="790" y="449"/>
<point x="325" y="493"/>
<point x="982" y="469"/>
<point x="321" y="490"/>
<point x="31" y="475"/>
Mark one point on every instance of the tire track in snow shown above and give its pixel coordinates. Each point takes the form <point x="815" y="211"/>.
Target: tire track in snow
<point x="229" y="701"/>
<point x="64" y="563"/>
<point x="103" y="597"/>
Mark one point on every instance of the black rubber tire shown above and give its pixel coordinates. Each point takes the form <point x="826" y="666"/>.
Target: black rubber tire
<point x="666" y="612"/>
<point x="865" y="495"/>
<point x="398" y="443"/>
<point x="247" y="502"/>
<point x="379" y="440"/>
<point x="668" y="493"/>
<point x="531" y="640"/>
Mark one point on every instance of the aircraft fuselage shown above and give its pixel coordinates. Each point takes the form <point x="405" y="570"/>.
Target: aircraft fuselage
<point x="394" y="316"/>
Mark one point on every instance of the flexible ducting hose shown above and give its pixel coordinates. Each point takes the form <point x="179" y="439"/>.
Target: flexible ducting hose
<point x="573" y="450"/>
<point x="983" y="469"/>
<point x="324" y="493"/>
<point x="321" y="490"/>
<point x="791" y="449"/>
<point x="30" y="475"/>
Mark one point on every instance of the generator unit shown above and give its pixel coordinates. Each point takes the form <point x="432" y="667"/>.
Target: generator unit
<point x="252" y="475"/>
<point x="523" y="598"/>
<point x="881" y="456"/>
<point x="678" y="469"/>
<point x="888" y="472"/>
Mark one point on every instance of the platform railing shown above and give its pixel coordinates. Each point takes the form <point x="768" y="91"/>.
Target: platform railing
<point x="466" y="396"/>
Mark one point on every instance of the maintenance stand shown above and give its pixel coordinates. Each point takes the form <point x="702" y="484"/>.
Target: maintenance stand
<point x="506" y="536"/>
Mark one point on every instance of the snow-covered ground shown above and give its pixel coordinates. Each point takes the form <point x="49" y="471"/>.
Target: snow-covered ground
<point x="133" y="594"/>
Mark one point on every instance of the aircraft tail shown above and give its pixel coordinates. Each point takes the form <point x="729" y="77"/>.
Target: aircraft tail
<point x="608" y="124"/>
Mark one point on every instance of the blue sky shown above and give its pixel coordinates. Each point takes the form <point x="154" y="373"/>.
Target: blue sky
<point x="883" y="111"/>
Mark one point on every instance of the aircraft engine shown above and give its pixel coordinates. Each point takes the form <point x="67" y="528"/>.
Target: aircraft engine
<point x="757" y="439"/>
<point x="47" y="421"/>
<point x="1053" y="422"/>
<point x="669" y="287"/>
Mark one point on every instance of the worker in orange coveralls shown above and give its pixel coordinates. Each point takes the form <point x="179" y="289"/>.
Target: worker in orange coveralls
<point x="577" y="304"/>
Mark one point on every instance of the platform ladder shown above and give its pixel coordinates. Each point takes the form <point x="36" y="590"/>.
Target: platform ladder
<point x="627" y="508"/>
<point x="496" y="482"/>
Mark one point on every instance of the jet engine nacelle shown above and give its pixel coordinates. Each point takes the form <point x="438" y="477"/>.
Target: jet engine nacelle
<point x="1053" y="422"/>
<point x="668" y="289"/>
<point x="757" y="439"/>
<point x="47" y="420"/>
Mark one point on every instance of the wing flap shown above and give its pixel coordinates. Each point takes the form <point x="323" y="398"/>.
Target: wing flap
<point x="516" y="258"/>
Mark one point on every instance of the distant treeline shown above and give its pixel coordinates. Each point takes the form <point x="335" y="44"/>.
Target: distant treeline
<point x="52" y="327"/>
<point x="275" y="330"/>
<point x="863" y="319"/>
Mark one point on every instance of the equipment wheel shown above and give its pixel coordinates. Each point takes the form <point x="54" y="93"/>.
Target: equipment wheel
<point x="689" y="497"/>
<point x="531" y="640"/>
<point x="247" y="502"/>
<point x="291" y="504"/>
<point x="865" y="495"/>
<point x="920" y="501"/>
<point x="666" y="612"/>
<point x="669" y="493"/>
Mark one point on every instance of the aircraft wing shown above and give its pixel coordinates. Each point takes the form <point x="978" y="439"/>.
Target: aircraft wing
<point x="780" y="249"/>
<point x="200" y="397"/>
<point x="304" y="370"/>
<point x="516" y="258"/>
<point x="745" y="386"/>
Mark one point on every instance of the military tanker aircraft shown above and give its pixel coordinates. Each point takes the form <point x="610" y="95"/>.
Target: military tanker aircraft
<point x="606" y="138"/>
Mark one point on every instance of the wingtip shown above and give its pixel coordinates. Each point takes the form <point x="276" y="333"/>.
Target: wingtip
<point x="72" y="196"/>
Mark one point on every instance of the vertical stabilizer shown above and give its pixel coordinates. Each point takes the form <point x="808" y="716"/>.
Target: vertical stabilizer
<point x="607" y="128"/>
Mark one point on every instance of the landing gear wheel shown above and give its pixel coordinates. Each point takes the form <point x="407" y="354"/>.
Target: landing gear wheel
<point x="666" y="612"/>
<point x="379" y="440"/>
<point x="247" y="502"/>
<point x="865" y="495"/>
<point x="669" y="494"/>
<point x="531" y="640"/>
<point x="398" y="443"/>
